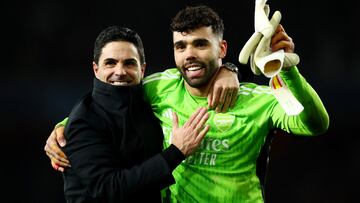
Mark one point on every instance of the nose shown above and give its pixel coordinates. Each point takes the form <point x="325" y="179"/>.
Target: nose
<point x="119" y="70"/>
<point x="190" y="53"/>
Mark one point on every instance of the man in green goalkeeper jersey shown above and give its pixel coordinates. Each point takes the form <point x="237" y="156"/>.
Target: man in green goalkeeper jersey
<point x="223" y="169"/>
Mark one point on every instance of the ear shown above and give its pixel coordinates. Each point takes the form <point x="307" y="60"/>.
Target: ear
<point x="95" y="68"/>
<point x="223" y="49"/>
<point x="142" y="69"/>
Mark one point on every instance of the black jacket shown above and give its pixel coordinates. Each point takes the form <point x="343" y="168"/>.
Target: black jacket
<point x="114" y="144"/>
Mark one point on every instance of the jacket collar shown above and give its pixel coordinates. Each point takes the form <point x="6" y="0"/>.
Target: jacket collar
<point x="116" y="96"/>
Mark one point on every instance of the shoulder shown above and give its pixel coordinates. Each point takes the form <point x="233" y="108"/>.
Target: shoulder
<point x="248" y="88"/>
<point x="162" y="82"/>
<point x="166" y="76"/>
<point x="82" y="107"/>
<point x="254" y="100"/>
<point x="254" y="94"/>
<point x="84" y="116"/>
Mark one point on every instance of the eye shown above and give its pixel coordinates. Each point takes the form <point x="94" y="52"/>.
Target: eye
<point x="179" y="46"/>
<point x="130" y="63"/>
<point x="201" y="43"/>
<point x="109" y="63"/>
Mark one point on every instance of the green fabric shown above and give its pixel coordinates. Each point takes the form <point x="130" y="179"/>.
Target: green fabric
<point x="223" y="169"/>
<point x="62" y="123"/>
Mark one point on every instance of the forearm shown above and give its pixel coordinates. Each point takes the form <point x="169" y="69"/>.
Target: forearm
<point x="314" y="118"/>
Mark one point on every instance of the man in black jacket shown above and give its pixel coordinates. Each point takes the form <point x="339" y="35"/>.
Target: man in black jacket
<point x="114" y="142"/>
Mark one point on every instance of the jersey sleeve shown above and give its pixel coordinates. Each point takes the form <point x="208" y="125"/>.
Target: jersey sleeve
<point x="62" y="123"/>
<point x="313" y="120"/>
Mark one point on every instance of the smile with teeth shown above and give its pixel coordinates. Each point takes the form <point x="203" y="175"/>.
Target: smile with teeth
<point x="120" y="83"/>
<point x="194" y="68"/>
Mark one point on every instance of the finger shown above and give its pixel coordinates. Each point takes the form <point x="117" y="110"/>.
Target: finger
<point x="57" y="167"/>
<point x="51" y="140"/>
<point x="54" y="165"/>
<point x="60" y="137"/>
<point x="221" y="101"/>
<point x="202" y="133"/>
<point x="279" y="28"/>
<point x="61" y="169"/>
<point x="227" y="101"/>
<point x="198" y="112"/>
<point x="278" y="37"/>
<point x="200" y="124"/>
<point x="217" y="91"/>
<point x="60" y="164"/>
<point x="46" y="147"/>
<point x="58" y="161"/>
<point x="199" y="115"/>
<point x="209" y="98"/>
<point x="234" y="98"/>
<point x="282" y="36"/>
<point x="53" y="150"/>
<point x="58" y="153"/>
<point x="286" y="45"/>
<point x="51" y="153"/>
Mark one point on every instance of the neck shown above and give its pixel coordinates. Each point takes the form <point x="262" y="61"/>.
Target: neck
<point x="198" y="91"/>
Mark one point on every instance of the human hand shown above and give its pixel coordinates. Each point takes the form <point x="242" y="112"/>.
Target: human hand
<point x="52" y="148"/>
<point x="188" y="137"/>
<point x="224" y="90"/>
<point x="281" y="40"/>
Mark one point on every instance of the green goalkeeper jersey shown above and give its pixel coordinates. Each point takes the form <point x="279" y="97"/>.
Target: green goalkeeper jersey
<point x="223" y="169"/>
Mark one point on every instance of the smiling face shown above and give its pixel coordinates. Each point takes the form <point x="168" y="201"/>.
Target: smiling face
<point x="198" y="55"/>
<point x="119" y="64"/>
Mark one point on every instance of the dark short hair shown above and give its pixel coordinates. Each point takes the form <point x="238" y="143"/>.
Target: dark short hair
<point x="194" y="17"/>
<point x="117" y="33"/>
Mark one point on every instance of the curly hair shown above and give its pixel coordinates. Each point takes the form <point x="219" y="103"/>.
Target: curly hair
<point x="194" y="17"/>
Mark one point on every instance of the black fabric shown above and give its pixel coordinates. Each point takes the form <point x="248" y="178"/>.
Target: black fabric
<point x="263" y="161"/>
<point x="114" y="144"/>
<point x="173" y="156"/>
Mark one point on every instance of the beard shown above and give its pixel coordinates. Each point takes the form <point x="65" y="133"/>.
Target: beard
<point x="204" y="76"/>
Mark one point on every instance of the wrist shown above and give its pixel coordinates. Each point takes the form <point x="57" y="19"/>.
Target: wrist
<point x="286" y="69"/>
<point x="231" y="67"/>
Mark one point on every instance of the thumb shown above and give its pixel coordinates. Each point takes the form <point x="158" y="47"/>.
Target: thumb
<point x="59" y="131"/>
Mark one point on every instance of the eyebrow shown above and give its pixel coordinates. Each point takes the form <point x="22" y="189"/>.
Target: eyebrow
<point x="130" y="60"/>
<point x="201" y="40"/>
<point x="109" y="60"/>
<point x="126" y="60"/>
<point x="181" y="42"/>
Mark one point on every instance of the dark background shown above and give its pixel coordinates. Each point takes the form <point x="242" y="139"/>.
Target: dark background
<point x="46" y="66"/>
